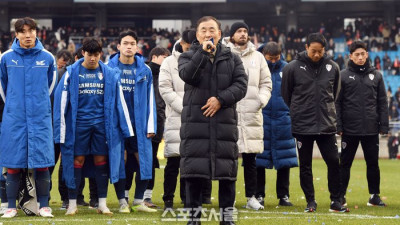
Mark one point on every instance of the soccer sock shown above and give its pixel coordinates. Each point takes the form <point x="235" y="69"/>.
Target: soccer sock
<point x="43" y="186"/>
<point x="120" y="189"/>
<point x="126" y="193"/>
<point x="102" y="179"/>
<point x="73" y="193"/>
<point x="72" y="204"/>
<point x="3" y="194"/>
<point x="102" y="203"/>
<point x="12" y="187"/>
<point x="137" y="201"/>
<point x="148" y="193"/>
<point x="140" y="187"/>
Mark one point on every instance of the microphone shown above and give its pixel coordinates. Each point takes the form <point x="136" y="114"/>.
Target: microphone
<point x="210" y="46"/>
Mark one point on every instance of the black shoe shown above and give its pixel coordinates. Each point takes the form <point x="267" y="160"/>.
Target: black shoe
<point x="194" y="223"/>
<point x="311" y="206"/>
<point x="285" y="201"/>
<point x="64" y="205"/>
<point x="82" y="202"/>
<point x="206" y="200"/>
<point x="168" y="204"/>
<point x="336" y="206"/>
<point x="93" y="204"/>
<point x="343" y="201"/>
<point x="149" y="203"/>
<point x="226" y="223"/>
<point x="375" y="200"/>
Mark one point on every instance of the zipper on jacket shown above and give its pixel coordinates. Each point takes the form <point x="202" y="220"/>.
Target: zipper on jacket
<point x="363" y="102"/>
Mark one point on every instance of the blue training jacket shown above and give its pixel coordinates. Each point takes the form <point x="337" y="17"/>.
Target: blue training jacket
<point x="116" y="119"/>
<point x="279" y="144"/>
<point x="28" y="77"/>
<point x="145" y="113"/>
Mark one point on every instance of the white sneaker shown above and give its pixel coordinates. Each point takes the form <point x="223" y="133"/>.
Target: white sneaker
<point x="142" y="208"/>
<point x="10" y="213"/>
<point x="71" y="211"/>
<point x="252" y="203"/>
<point x="3" y="210"/>
<point x="45" y="212"/>
<point x="104" y="210"/>
<point x="124" y="208"/>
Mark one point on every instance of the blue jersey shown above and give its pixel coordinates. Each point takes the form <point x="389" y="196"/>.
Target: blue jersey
<point x="128" y="73"/>
<point x="91" y="96"/>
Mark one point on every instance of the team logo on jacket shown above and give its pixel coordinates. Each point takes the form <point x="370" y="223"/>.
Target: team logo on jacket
<point x="40" y="63"/>
<point x="100" y="76"/>
<point x="352" y="77"/>
<point x="328" y="67"/>
<point x="344" y="144"/>
<point x="280" y="74"/>
<point x="299" y="144"/>
<point x="303" y="67"/>
<point x="371" y="76"/>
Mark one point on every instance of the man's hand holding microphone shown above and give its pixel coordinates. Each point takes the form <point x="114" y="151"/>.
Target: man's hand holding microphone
<point x="209" y="46"/>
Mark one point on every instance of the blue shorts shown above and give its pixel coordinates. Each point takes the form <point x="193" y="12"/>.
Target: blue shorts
<point x="131" y="145"/>
<point x="90" y="140"/>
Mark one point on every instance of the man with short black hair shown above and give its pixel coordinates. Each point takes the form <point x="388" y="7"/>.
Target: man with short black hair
<point x="362" y="114"/>
<point x="137" y="86"/>
<point x="28" y="74"/>
<point x="90" y="118"/>
<point x="310" y="86"/>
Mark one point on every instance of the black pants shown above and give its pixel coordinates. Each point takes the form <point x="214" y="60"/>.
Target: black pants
<point x="250" y="174"/>
<point x="329" y="151"/>
<point x="194" y="187"/>
<point x="171" y="173"/>
<point x="370" y="147"/>
<point x="282" y="182"/>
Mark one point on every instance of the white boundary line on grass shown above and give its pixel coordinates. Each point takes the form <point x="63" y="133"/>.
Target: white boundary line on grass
<point x="287" y="215"/>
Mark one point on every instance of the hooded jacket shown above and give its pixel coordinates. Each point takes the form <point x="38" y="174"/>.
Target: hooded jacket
<point x="116" y="120"/>
<point x="145" y="113"/>
<point x="362" y="107"/>
<point x="310" y="90"/>
<point x="250" y="120"/>
<point x="171" y="88"/>
<point x="28" y="77"/>
<point x="208" y="144"/>
<point x="279" y="145"/>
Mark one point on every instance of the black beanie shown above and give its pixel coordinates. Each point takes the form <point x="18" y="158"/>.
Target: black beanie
<point x="236" y="26"/>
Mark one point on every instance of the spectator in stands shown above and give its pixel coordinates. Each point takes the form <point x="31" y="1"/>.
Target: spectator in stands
<point x="90" y="94"/>
<point x="26" y="129"/>
<point x="393" y="145"/>
<point x="157" y="56"/>
<point x="64" y="58"/>
<point x="340" y="61"/>
<point x="387" y="63"/>
<point x="249" y="109"/>
<point x="377" y="62"/>
<point x="211" y="93"/>
<point x="137" y="85"/>
<point x="396" y="66"/>
<point x="362" y="114"/>
<point x="393" y="113"/>
<point x="311" y="102"/>
<point x="279" y="147"/>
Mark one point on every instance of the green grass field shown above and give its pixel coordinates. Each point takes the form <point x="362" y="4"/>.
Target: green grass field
<point x="357" y="198"/>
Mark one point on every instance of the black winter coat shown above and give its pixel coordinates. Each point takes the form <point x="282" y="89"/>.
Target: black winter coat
<point x="155" y="70"/>
<point x="362" y="107"/>
<point x="310" y="90"/>
<point x="208" y="144"/>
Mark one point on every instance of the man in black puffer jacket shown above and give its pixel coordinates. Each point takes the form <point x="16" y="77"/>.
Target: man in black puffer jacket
<point x="310" y="85"/>
<point x="362" y="113"/>
<point x="215" y="81"/>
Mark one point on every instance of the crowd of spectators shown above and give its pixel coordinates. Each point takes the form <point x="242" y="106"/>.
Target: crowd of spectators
<point x="378" y="34"/>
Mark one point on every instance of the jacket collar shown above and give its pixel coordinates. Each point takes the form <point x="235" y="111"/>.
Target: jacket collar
<point x="22" y="51"/>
